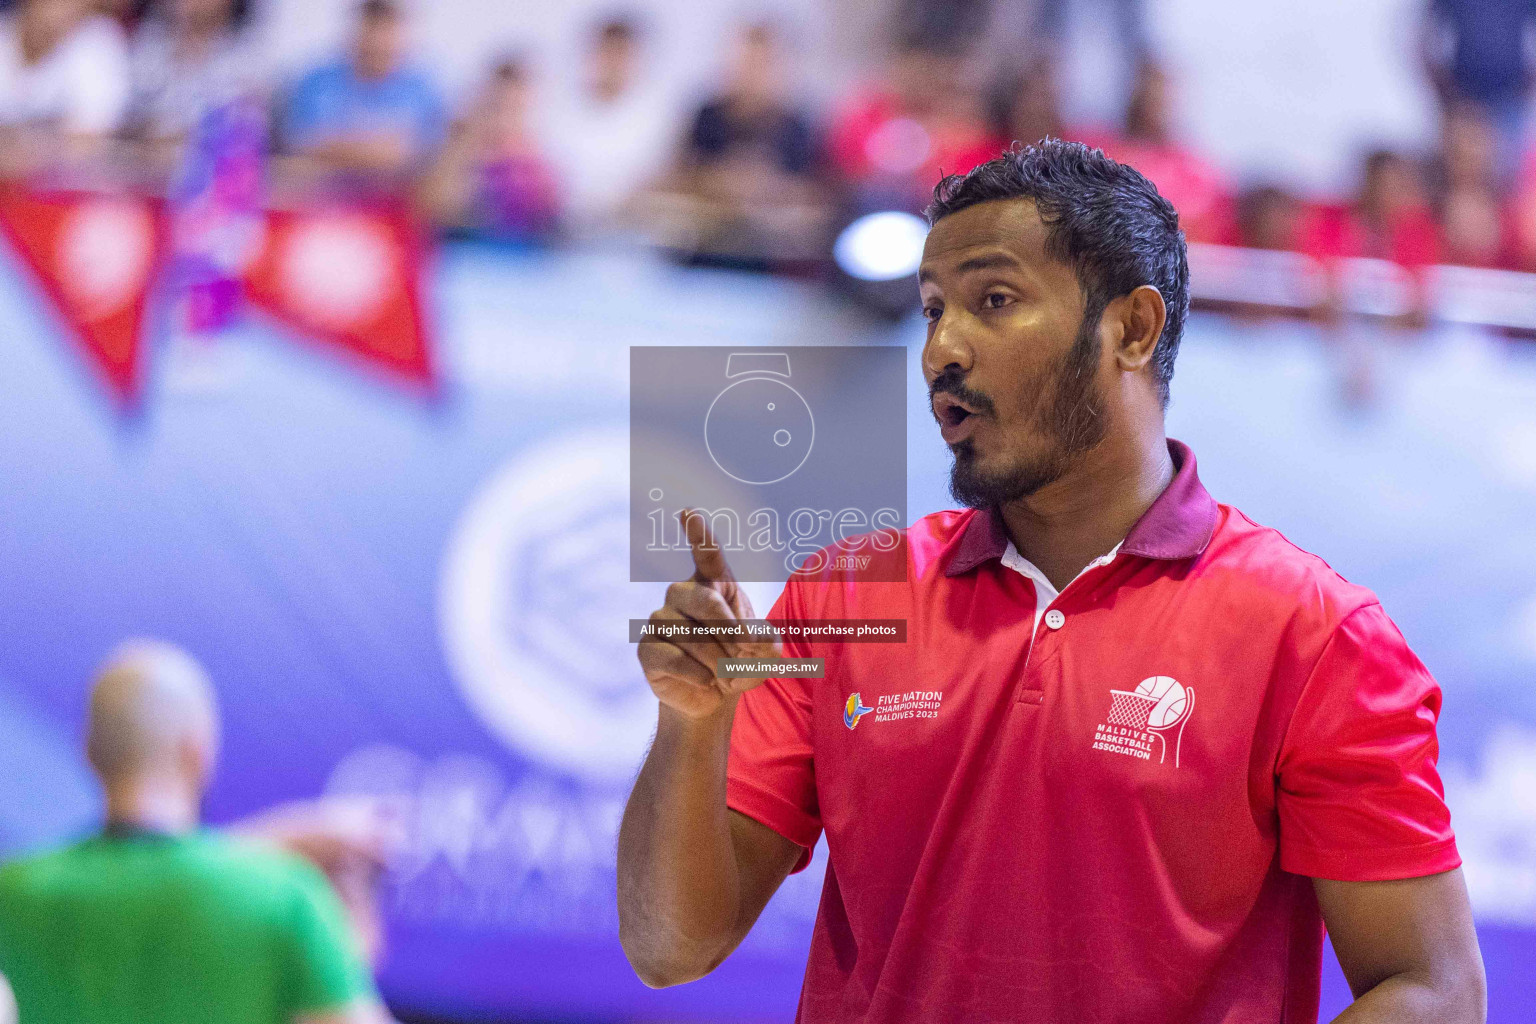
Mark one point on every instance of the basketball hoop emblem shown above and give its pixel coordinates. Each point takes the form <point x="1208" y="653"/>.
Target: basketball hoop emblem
<point x="1159" y="707"/>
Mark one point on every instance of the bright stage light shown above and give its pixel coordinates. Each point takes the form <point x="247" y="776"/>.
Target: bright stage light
<point x="881" y="246"/>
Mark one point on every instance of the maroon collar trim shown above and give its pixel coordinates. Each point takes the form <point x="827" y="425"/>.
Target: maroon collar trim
<point x="1178" y="525"/>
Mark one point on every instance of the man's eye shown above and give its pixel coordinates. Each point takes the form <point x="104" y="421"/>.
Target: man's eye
<point x="932" y="313"/>
<point x="995" y="300"/>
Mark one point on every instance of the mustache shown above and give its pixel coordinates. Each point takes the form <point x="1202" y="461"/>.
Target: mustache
<point x="952" y="382"/>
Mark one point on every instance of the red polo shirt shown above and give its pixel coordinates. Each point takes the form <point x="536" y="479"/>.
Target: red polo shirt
<point x="1110" y="815"/>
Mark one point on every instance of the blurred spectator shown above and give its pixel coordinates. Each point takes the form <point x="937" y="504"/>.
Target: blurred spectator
<point x="747" y="192"/>
<point x="850" y="26"/>
<point x="1027" y="106"/>
<point x="491" y="175"/>
<point x="616" y="135"/>
<point x="154" y="920"/>
<point x="1472" y="228"/>
<point x="1468" y="149"/>
<point x="63" y="82"/>
<point x="369" y="116"/>
<point x="1266" y="217"/>
<point x="894" y="140"/>
<point x="1465" y="183"/>
<point x="127" y="13"/>
<point x="1479" y="51"/>
<point x="1520" y="241"/>
<point x="1149" y="143"/>
<point x="1269" y="217"/>
<point x="953" y="24"/>
<point x="189" y="55"/>
<point x="1025" y="30"/>
<point x="1129" y="19"/>
<point x="1389" y="220"/>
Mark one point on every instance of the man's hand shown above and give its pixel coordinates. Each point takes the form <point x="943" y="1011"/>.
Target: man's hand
<point x="682" y="673"/>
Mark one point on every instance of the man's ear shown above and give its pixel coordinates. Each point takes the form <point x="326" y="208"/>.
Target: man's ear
<point x="1140" y="316"/>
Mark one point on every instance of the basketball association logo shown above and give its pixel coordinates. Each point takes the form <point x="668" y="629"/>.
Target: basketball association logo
<point x="1151" y="717"/>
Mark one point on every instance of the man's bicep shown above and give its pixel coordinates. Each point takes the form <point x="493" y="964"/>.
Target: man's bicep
<point x="1420" y="927"/>
<point x="764" y="859"/>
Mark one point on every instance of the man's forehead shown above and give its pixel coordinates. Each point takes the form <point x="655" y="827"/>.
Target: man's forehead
<point x="1003" y="226"/>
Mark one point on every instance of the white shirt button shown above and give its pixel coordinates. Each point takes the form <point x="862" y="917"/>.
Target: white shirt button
<point x="1055" y="619"/>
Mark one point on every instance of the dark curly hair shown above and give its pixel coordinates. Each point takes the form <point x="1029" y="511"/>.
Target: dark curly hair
<point x="1102" y="217"/>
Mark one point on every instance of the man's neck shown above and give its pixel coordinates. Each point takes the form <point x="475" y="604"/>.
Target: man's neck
<point x="155" y="806"/>
<point x="1069" y="523"/>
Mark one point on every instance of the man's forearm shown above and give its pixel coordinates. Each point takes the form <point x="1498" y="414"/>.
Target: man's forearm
<point x="679" y="889"/>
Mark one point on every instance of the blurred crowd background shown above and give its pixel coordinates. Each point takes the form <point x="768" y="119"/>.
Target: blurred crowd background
<point x="781" y="138"/>
<point x="412" y="600"/>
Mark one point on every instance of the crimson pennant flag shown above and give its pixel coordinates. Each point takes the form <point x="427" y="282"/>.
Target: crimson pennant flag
<point x="96" y="258"/>
<point x="349" y="278"/>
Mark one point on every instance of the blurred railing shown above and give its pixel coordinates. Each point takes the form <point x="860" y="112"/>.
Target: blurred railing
<point x="1229" y="277"/>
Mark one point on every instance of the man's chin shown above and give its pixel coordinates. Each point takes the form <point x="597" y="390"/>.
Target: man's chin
<point x="974" y="486"/>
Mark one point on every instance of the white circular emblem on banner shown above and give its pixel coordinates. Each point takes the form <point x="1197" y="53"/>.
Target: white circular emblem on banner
<point x="337" y="269"/>
<point x="105" y="252"/>
<point x="534" y="601"/>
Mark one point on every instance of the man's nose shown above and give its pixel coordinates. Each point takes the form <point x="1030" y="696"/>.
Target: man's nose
<point x="946" y="347"/>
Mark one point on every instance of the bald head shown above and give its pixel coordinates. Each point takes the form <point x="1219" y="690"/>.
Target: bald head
<point x="152" y="715"/>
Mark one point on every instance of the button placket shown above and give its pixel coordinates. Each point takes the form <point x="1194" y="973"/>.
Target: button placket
<point x="1044" y="640"/>
<point x="1040" y="651"/>
<point x="1042" y="648"/>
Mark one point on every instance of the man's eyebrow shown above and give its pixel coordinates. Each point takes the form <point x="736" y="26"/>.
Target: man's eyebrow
<point x="989" y="262"/>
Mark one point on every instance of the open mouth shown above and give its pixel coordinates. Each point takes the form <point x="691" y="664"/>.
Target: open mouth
<point x="951" y="413"/>
<point x="957" y="420"/>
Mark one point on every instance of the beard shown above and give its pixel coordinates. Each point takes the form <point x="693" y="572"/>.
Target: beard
<point x="1071" y="423"/>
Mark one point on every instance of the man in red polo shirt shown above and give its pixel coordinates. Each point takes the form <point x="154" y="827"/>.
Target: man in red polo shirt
<point x="1136" y="750"/>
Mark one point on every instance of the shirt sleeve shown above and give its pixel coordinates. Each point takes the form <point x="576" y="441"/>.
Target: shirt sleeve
<point x="770" y="773"/>
<point x="1359" y="797"/>
<point x="324" y="968"/>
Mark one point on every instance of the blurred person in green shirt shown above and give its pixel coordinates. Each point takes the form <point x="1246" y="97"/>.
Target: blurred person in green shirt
<point x="155" y="920"/>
